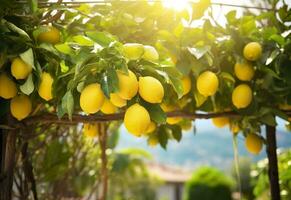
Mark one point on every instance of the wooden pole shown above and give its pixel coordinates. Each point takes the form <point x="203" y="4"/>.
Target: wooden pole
<point x="104" y="171"/>
<point x="273" y="162"/>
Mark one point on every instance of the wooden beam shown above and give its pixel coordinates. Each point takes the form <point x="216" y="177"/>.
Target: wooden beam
<point x="273" y="162"/>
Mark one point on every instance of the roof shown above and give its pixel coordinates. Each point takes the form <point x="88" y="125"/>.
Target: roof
<point x="169" y="173"/>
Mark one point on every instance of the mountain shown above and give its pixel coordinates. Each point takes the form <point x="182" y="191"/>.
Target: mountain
<point x="209" y="146"/>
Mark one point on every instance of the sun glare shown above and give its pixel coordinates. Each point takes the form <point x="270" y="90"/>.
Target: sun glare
<point x="176" y="4"/>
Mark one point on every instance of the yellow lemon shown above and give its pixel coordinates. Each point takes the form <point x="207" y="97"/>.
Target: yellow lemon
<point x="244" y="71"/>
<point x="137" y="120"/>
<point x="207" y="83"/>
<point x="234" y="128"/>
<point x="169" y="108"/>
<point x="253" y="143"/>
<point x="128" y="85"/>
<point x="151" y="128"/>
<point x="117" y="100"/>
<point x="8" y="88"/>
<point x="186" y="83"/>
<point x="92" y="98"/>
<point x="19" y="69"/>
<point x="242" y="96"/>
<point x="220" y="121"/>
<point x="133" y="51"/>
<point x="151" y="89"/>
<point x="252" y="51"/>
<point x="45" y="87"/>
<point x="153" y="140"/>
<point x="51" y="36"/>
<point x="150" y="54"/>
<point x="174" y="59"/>
<point x="186" y="126"/>
<point x="90" y="130"/>
<point x="108" y="107"/>
<point x="20" y="106"/>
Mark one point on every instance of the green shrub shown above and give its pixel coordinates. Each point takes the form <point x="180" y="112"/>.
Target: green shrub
<point x="208" y="184"/>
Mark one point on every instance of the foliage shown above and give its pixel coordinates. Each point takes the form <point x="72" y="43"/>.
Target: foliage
<point x="245" y="178"/>
<point x="208" y="183"/>
<point x="67" y="165"/>
<point x="261" y="181"/>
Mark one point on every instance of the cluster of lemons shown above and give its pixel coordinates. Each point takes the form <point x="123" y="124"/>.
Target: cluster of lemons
<point x="137" y="119"/>
<point x="242" y="94"/>
<point x="20" y="104"/>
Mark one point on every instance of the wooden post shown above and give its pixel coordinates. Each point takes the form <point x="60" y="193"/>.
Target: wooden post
<point x="273" y="162"/>
<point x="104" y="172"/>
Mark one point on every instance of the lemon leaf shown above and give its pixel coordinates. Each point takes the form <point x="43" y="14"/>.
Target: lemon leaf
<point x="176" y="132"/>
<point x="28" y="58"/>
<point x="156" y="113"/>
<point x="83" y="40"/>
<point x="63" y="48"/>
<point x="102" y="38"/>
<point x="199" y="98"/>
<point x="28" y="87"/>
<point x="68" y="104"/>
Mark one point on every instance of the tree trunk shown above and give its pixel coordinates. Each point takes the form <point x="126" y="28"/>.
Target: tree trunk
<point x="7" y="163"/>
<point x="273" y="162"/>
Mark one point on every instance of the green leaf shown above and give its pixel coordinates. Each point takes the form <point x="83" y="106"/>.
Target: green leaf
<point x="156" y="113"/>
<point x="231" y="17"/>
<point x="173" y="77"/>
<point x="83" y="40"/>
<point x="28" y="58"/>
<point x="278" y="38"/>
<point x="109" y="82"/>
<point x="64" y="48"/>
<point x="268" y="119"/>
<point x="176" y="132"/>
<point x="33" y="5"/>
<point x="102" y="38"/>
<point x="227" y="76"/>
<point x="199" y="52"/>
<point x="28" y="87"/>
<point x="16" y="29"/>
<point x="163" y="136"/>
<point x="273" y="55"/>
<point x="68" y="104"/>
<point x="199" y="98"/>
<point x="64" y="67"/>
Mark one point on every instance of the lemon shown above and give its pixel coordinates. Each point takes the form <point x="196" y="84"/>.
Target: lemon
<point x="152" y="127"/>
<point x="8" y="88"/>
<point x="51" y="36"/>
<point x="137" y="120"/>
<point x="45" y="87"/>
<point x="186" y="83"/>
<point x="151" y="89"/>
<point x="133" y="51"/>
<point x="92" y="98"/>
<point x="150" y="54"/>
<point x="20" y="106"/>
<point x="90" y="130"/>
<point x="234" y="128"/>
<point x="244" y="71"/>
<point x="128" y="85"/>
<point x="153" y="140"/>
<point x="242" y="96"/>
<point x="19" y="69"/>
<point x="220" y="121"/>
<point x="285" y="106"/>
<point x="252" y="51"/>
<point x="174" y="59"/>
<point x="207" y="83"/>
<point x="254" y="143"/>
<point x="169" y="108"/>
<point x="186" y="126"/>
<point x="108" y="107"/>
<point x="117" y="100"/>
